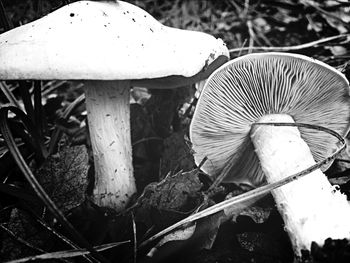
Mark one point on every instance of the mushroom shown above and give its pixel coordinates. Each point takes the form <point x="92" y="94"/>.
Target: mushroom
<point x="111" y="46"/>
<point x="277" y="88"/>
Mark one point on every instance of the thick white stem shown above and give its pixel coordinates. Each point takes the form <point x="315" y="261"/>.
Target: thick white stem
<point x="108" y="108"/>
<point x="311" y="207"/>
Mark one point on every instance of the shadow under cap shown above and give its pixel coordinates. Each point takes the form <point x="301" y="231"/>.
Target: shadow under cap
<point x="243" y="90"/>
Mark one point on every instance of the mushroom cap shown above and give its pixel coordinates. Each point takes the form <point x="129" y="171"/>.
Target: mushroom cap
<point x="243" y="90"/>
<point x="104" y="41"/>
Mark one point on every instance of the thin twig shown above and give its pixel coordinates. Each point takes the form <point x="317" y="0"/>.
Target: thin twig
<point x="297" y="47"/>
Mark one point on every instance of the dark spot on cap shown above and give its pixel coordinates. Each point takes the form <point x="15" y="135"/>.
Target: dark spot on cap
<point x="71" y="14"/>
<point x="124" y="13"/>
<point x="151" y="30"/>
<point x="33" y="25"/>
<point x="144" y="16"/>
<point x="133" y="19"/>
<point x="141" y="44"/>
<point x="127" y="12"/>
<point x="105" y="25"/>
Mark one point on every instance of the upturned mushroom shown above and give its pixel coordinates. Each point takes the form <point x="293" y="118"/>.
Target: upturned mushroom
<point x="111" y="46"/>
<point x="277" y="88"/>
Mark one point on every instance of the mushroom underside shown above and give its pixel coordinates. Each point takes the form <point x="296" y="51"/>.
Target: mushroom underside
<point x="244" y="90"/>
<point x="277" y="87"/>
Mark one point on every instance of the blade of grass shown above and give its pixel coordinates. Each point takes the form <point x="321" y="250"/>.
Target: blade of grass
<point x="38" y="108"/>
<point x="67" y="253"/>
<point x="9" y="95"/>
<point x="37" y="187"/>
<point x="24" y="87"/>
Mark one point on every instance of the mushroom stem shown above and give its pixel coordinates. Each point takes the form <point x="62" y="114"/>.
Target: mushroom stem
<point x="312" y="209"/>
<point x="107" y="103"/>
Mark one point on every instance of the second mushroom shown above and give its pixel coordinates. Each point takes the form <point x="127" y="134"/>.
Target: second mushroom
<point x="277" y="87"/>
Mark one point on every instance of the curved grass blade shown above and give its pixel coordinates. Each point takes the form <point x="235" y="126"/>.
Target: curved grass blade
<point x="4" y="128"/>
<point x="25" y="138"/>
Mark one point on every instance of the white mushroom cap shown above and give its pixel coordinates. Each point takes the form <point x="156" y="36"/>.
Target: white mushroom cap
<point x="243" y="90"/>
<point x="104" y="41"/>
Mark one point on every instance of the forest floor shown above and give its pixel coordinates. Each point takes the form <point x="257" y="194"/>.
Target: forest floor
<point x="170" y="187"/>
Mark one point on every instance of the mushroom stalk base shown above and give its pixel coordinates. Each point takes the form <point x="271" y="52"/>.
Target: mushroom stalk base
<point x="108" y="108"/>
<point x="312" y="209"/>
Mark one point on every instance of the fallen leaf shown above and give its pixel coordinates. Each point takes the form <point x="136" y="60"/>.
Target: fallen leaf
<point x="64" y="176"/>
<point x="170" y="200"/>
